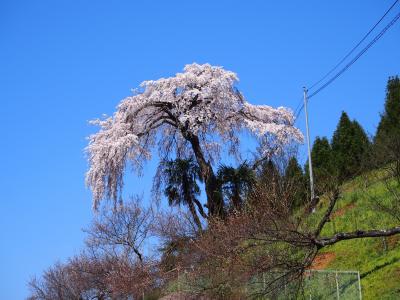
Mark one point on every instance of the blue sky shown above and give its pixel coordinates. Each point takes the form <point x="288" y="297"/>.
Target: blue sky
<point x="63" y="63"/>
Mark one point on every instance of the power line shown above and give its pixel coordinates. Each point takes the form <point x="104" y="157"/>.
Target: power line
<point x="354" y="48"/>
<point x="365" y="49"/>
<point x="298" y="108"/>
<point x="306" y="99"/>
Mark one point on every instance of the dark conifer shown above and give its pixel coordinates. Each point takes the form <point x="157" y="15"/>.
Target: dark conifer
<point x="295" y="177"/>
<point x="324" y="168"/>
<point x="387" y="139"/>
<point x="349" y="145"/>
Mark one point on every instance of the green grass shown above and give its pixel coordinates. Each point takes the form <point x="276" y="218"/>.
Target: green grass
<point x="377" y="259"/>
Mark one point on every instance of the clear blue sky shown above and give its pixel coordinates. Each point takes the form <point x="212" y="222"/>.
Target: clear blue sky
<point x="63" y="63"/>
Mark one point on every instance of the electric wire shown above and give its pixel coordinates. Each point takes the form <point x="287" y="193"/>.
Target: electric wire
<point x="354" y="48"/>
<point x="365" y="49"/>
<point x="298" y="108"/>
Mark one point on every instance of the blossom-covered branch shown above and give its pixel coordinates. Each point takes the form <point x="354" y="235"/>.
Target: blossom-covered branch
<point x="195" y="113"/>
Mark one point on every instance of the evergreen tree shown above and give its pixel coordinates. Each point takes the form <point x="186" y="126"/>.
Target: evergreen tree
<point x="181" y="188"/>
<point x="269" y="171"/>
<point x="236" y="183"/>
<point x="324" y="169"/>
<point x="341" y="144"/>
<point x="361" y="147"/>
<point x="295" y="177"/>
<point x="349" y="145"/>
<point x="388" y="133"/>
<point x="390" y="119"/>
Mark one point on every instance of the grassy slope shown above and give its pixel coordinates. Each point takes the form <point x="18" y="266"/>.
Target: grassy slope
<point x="379" y="265"/>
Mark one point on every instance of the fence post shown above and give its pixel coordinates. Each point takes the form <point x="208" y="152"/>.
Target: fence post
<point x="263" y="281"/>
<point x="337" y="285"/>
<point x="179" y="283"/>
<point x="359" y="284"/>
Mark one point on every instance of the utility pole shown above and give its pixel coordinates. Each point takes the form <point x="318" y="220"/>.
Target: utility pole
<point x="309" y="150"/>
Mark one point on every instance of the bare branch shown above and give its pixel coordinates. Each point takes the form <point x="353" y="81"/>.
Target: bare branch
<point x="341" y="236"/>
<point x="333" y="199"/>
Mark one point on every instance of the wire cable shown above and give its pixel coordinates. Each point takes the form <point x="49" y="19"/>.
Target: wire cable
<point x="355" y="47"/>
<point x="365" y="49"/>
<point x="298" y="107"/>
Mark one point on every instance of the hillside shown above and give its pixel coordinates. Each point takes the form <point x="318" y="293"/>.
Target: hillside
<point x="377" y="259"/>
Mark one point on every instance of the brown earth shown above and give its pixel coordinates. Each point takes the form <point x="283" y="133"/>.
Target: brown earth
<point x="393" y="241"/>
<point x="322" y="261"/>
<point x="343" y="210"/>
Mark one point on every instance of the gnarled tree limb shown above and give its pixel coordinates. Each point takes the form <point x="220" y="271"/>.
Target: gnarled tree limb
<point x="341" y="236"/>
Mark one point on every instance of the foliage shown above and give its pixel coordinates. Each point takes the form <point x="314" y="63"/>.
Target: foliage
<point x="324" y="168"/>
<point x="236" y="183"/>
<point x="179" y="178"/>
<point x="389" y="124"/>
<point x="349" y="145"/>
<point x="388" y="132"/>
<point x="295" y="175"/>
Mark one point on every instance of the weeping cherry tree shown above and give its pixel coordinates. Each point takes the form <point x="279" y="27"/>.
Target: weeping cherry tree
<point x="198" y="113"/>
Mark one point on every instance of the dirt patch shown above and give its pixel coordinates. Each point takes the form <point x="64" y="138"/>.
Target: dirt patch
<point x="322" y="261"/>
<point x="342" y="211"/>
<point x="386" y="243"/>
<point x="393" y="241"/>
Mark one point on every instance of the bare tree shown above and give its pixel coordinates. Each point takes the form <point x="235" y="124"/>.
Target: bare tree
<point x="113" y="265"/>
<point x="122" y="230"/>
<point x="56" y="284"/>
<point x="78" y="279"/>
<point x="87" y="277"/>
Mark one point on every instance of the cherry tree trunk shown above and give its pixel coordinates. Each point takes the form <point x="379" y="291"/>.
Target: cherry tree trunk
<point x="215" y="203"/>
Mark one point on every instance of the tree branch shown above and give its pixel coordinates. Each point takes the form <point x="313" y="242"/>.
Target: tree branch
<point x="341" y="236"/>
<point x="200" y="208"/>
<point x="333" y="200"/>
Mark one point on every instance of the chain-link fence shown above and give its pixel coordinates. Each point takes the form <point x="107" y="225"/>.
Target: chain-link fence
<point x="330" y="284"/>
<point x="316" y="285"/>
